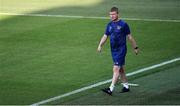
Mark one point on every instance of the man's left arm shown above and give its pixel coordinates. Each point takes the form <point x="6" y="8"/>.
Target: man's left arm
<point x="133" y="43"/>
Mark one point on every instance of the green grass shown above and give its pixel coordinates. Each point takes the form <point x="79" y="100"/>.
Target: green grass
<point x="158" y="88"/>
<point x="42" y="57"/>
<point x="166" y="9"/>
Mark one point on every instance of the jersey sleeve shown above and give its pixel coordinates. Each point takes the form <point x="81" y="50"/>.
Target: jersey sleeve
<point x="127" y="29"/>
<point x="107" y="31"/>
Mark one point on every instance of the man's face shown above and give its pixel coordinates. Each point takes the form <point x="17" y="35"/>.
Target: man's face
<point x="114" y="16"/>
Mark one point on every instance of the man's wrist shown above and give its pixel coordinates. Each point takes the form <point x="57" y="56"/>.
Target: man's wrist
<point x="136" y="47"/>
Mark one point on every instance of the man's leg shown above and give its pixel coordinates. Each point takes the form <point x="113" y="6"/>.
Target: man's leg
<point x="124" y="80"/>
<point x="114" y="80"/>
<point x="115" y="77"/>
<point x="123" y="75"/>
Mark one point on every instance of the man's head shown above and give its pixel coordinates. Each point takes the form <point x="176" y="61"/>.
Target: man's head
<point x="114" y="13"/>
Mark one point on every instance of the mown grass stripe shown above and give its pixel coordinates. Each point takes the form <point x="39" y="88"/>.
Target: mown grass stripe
<point x="104" y="82"/>
<point x="88" y="17"/>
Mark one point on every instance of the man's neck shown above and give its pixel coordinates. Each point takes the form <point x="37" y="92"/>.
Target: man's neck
<point x="116" y="20"/>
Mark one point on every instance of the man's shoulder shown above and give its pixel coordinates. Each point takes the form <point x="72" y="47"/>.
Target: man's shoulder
<point x="122" y="22"/>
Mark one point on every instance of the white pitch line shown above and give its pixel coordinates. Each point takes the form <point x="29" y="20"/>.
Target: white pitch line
<point x="103" y="82"/>
<point x="131" y="84"/>
<point x="89" y="17"/>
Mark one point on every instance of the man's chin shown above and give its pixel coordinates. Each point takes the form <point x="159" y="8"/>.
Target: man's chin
<point x="114" y="19"/>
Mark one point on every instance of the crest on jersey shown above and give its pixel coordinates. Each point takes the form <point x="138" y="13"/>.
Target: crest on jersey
<point x="118" y="27"/>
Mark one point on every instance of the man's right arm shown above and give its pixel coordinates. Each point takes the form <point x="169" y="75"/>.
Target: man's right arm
<point x="102" y="42"/>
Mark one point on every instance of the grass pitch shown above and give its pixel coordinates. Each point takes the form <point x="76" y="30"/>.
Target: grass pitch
<point x="42" y="57"/>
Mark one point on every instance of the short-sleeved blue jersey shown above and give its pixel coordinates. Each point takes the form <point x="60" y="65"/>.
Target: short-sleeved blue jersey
<point x="118" y="31"/>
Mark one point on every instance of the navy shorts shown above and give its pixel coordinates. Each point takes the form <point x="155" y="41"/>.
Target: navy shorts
<point x="119" y="57"/>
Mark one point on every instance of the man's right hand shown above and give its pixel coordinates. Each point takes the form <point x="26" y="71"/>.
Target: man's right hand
<point x="99" y="48"/>
<point x="103" y="40"/>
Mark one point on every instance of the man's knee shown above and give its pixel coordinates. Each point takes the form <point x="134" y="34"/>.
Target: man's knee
<point x="116" y="68"/>
<point x="121" y="70"/>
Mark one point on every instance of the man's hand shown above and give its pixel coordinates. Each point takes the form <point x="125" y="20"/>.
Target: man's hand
<point x="99" y="48"/>
<point x="133" y="43"/>
<point x="136" y="50"/>
<point x="101" y="43"/>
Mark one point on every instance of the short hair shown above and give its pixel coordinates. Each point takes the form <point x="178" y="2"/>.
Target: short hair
<point x="115" y="9"/>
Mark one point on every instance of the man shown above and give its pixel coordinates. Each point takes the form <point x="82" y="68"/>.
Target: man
<point x="118" y="31"/>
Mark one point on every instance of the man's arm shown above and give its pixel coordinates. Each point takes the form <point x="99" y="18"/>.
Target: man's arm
<point x="133" y="43"/>
<point x="102" y="41"/>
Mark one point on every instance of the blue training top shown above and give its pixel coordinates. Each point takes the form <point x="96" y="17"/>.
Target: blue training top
<point x="117" y="32"/>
